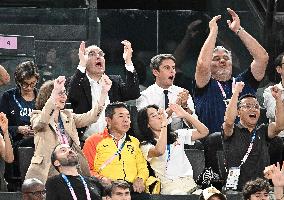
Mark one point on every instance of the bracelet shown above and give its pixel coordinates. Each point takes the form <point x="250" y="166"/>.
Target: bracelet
<point x="240" y="29"/>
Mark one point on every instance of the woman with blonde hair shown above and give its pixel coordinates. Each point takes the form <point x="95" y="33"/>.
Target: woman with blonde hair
<point x="55" y="125"/>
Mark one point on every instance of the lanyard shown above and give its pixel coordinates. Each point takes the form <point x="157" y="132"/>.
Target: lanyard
<point x="249" y="148"/>
<point x="72" y="190"/>
<point x="169" y="152"/>
<point x="223" y="91"/>
<point x="108" y="161"/>
<point x="62" y="137"/>
<point x="17" y="102"/>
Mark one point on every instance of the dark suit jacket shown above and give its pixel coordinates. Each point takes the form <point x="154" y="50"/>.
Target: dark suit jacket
<point x="80" y="90"/>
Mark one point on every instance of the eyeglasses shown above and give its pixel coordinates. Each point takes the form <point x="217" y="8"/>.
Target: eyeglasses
<point x="37" y="193"/>
<point x="96" y="54"/>
<point x="250" y="106"/>
<point x="26" y="85"/>
<point x="62" y="93"/>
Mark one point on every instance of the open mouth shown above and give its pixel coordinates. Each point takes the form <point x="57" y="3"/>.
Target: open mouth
<point x="253" y="116"/>
<point x="171" y="78"/>
<point x="98" y="64"/>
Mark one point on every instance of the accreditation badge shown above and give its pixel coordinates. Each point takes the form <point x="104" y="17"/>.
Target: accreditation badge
<point x="233" y="178"/>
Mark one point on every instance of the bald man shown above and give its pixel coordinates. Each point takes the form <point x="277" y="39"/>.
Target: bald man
<point x="33" y="189"/>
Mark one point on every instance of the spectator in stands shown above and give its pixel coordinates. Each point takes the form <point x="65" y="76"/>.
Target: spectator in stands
<point x="70" y="184"/>
<point x="33" y="189"/>
<point x="4" y="76"/>
<point x="256" y="189"/>
<point x="119" y="190"/>
<point x="86" y="85"/>
<point x="246" y="143"/>
<point x="113" y="154"/>
<point x="214" y="81"/>
<point x="18" y="103"/>
<point x="55" y="125"/>
<point x="274" y="173"/>
<point x="165" y="151"/>
<point x="269" y="101"/>
<point x="212" y="193"/>
<point x="163" y="91"/>
<point x="6" y="150"/>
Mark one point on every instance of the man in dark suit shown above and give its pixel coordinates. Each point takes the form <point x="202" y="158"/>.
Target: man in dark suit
<point x="85" y="87"/>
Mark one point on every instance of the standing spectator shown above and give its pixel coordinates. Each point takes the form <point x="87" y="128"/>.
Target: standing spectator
<point x="4" y="76"/>
<point x="86" y="85"/>
<point x="70" y="184"/>
<point x="245" y="143"/>
<point x="165" y="151"/>
<point x="33" y="189"/>
<point x="163" y="91"/>
<point x="6" y="150"/>
<point x="119" y="190"/>
<point x="113" y="154"/>
<point x="214" y="81"/>
<point x="55" y="125"/>
<point x="256" y="189"/>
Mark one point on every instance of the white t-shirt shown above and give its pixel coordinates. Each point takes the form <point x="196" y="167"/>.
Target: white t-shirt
<point x="173" y="163"/>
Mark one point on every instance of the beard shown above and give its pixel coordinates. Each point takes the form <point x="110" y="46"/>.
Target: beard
<point x="222" y="75"/>
<point x="71" y="160"/>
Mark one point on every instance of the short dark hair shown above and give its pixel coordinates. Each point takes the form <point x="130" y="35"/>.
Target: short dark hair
<point x="109" y="111"/>
<point x="25" y="70"/>
<point x="157" y="60"/>
<point x="116" y="184"/>
<point x="254" y="186"/>
<point x="278" y="60"/>
<point x="53" y="157"/>
<point x="249" y="95"/>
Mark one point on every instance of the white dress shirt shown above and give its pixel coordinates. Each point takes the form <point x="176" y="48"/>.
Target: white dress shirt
<point x="270" y="104"/>
<point x="96" y="89"/>
<point x="155" y="95"/>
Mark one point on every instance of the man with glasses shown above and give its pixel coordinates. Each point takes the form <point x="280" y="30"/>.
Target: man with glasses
<point x="85" y="84"/>
<point x="214" y="81"/>
<point x="33" y="189"/>
<point x="246" y="143"/>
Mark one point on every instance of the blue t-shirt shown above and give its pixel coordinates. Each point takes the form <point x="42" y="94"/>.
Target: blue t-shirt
<point x="209" y="101"/>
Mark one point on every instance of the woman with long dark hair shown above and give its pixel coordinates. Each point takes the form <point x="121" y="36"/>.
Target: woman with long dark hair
<point x="165" y="151"/>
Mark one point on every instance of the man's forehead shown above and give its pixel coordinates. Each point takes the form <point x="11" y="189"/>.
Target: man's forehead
<point x="121" y="111"/>
<point x="93" y="48"/>
<point x="62" y="146"/>
<point x="249" y="100"/>
<point x="220" y="52"/>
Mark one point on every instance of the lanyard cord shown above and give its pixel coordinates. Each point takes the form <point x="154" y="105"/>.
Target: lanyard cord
<point x="72" y="190"/>
<point x="223" y="91"/>
<point x="249" y="148"/>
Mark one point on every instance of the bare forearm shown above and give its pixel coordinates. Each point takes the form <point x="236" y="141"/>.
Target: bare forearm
<point x="232" y="110"/>
<point x="9" y="155"/>
<point x="278" y="192"/>
<point x="162" y="141"/>
<point x="200" y="127"/>
<point x="279" y="115"/>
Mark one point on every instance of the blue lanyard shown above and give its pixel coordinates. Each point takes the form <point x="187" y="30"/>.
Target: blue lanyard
<point x="249" y="148"/>
<point x="169" y="152"/>
<point x="72" y="190"/>
<point x="17" y="102"/>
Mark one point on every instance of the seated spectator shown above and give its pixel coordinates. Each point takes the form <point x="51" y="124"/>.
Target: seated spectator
<point x="269" y="104"/>
<point x="212" y="193"/>
<point x="165" y="151"/>
<point x="4" y="76"/>
<point x="55" y="125"/>
<point x="6" y="150"/>
<point x="274" y="173"/>
<point x="70" y="184"/>
<point x="256" y="189"/>
<point x="119" y="190"/>
<point x="33" y="189"/>
<point x="114" y="154"/>
<point x="245" y="143"/>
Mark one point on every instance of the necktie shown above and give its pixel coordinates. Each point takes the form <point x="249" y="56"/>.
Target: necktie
<point x="166" y="99"/>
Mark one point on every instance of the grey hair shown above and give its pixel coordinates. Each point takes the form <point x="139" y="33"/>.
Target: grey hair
<point x="30" y="183"/>
<point x="221" y="48"/>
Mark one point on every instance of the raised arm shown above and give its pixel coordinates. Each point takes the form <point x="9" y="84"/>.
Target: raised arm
<point x="232" y="110"/>
<point x="4" y="76"/>
<point x="203" y="70"/>
<point x="277" y="176"/>
<point x="160" y="147"/>
<point x="6" y="149"/>
<point x="201" y="130"/>
<point x="259" y="54"/>
<point x="276" y="127"/>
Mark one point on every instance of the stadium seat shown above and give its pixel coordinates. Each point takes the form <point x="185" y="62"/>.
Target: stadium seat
<point x="197" y="161"/>
<point x="25" y="155"/>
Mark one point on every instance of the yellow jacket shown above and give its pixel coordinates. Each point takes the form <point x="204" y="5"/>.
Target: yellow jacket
<point x="128" y="166"/>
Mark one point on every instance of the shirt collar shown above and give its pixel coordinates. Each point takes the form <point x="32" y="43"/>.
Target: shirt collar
<point x="92" y="81"/>
<point x="161" y="90"/>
